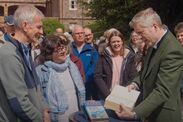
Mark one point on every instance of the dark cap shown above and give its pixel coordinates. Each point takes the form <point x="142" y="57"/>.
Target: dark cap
<point x="9" y="20"/>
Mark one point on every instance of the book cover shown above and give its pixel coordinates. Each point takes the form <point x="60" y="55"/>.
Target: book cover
<point x="95" y="111"/>
<point x="120" y="95"/>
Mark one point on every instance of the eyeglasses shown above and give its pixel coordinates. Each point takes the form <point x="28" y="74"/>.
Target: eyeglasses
<point x="79" y="33"/>
<point x="88" y="35"/>
<point x="60" y="49"/>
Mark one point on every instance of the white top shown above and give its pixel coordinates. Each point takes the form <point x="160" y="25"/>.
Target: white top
<point x="71" y="95"/>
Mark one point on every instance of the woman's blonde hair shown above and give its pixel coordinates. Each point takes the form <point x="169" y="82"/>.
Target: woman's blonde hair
<point x="115" y="32"/>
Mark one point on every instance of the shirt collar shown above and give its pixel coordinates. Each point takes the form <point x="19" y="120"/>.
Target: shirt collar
<point x="26" y="48"/>
<point x="158" y="42"/>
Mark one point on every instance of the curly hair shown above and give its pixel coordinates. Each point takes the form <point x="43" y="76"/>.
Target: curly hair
<point x="49" y="45"/>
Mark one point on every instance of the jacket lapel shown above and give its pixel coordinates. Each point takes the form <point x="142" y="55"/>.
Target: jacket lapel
<point x="146" y="62"/>
<point x="156" y="56"/>
<point x="153" y="60"/>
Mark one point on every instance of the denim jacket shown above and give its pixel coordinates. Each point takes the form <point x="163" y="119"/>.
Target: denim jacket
<point x="61" y="98"/>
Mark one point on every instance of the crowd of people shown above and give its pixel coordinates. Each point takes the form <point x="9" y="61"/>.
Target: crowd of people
<point x="48" y="78"/>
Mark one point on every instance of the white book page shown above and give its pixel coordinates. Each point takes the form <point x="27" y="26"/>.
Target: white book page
<point x="121" y="94"/>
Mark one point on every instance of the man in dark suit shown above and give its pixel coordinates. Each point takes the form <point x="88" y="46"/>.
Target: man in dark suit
<point x="161" y="73"/>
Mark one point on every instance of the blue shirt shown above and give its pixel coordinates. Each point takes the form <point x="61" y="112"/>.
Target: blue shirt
<point x="26" y="54"/>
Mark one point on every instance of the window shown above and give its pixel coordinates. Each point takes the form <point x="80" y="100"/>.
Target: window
<point x="1" y="11"/>
<point x="72" y="5"/>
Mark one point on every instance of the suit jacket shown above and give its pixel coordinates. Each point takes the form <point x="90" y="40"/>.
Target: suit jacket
<point x="161" y="82"/>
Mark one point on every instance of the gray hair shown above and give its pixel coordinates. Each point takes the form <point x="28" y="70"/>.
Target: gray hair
<point x="75" y="27"/>
<point x="26" y="13"/>
<point x="146" y="18"/>
<point x="87" y="28"/>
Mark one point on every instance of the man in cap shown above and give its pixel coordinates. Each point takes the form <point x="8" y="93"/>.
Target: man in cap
<point x="8" y="27"/>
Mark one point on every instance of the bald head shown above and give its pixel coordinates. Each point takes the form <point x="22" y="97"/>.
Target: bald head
<point x="59" y="30"/>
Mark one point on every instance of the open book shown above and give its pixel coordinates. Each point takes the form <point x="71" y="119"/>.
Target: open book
<point x="120" y="95"/>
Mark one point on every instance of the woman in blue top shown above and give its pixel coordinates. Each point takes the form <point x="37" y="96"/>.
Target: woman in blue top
<point x="62" y="84"/>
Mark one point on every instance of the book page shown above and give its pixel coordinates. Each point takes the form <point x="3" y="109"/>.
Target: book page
<point x="120" y="95"/>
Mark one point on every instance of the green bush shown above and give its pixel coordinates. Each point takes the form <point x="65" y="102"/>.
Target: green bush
<point x="50" y="25"/>
<point x="97" y="28"/>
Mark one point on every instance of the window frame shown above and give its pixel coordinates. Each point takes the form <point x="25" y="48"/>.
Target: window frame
<point x="73" y="6"/>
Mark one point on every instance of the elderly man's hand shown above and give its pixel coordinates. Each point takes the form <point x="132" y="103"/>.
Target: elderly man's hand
<point x="132" y="86"/>
<point x="125" y="112"/>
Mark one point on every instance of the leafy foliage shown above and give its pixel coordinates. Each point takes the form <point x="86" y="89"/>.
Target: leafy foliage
<point x="50" y="25"/>
<point x="112" y="13"/>
<point x="170" y="11"/>
<point x="118" y="13"/>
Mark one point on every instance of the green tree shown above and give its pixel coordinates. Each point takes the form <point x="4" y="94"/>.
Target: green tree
<point x="170" y="11"/>
<point x="50" y="25"/>
<point x="118" y="13"/>
<point x="112" y="13"/>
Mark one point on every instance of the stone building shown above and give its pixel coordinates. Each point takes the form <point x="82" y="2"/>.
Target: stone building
<point x="66" y="11"/>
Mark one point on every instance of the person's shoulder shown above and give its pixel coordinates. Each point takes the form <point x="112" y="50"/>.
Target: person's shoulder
<point x="172" y="43"/>
<point x="7" y="49"/>
<point x="41" y="68"/>
<point x="105" y="57"/>
<point x="74" y="58"/>
<point x="9" y="56"/>
<point x="128" y="52"/>
<point x="88" y="47"/>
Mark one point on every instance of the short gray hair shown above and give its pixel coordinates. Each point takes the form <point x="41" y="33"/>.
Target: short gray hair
<point x="146" y="18"/>
<point x="76" y="27"/>
<point x="26" y="13"/>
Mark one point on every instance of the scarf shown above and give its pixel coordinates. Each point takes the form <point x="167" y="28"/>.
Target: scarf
<point x="60" y="104"/>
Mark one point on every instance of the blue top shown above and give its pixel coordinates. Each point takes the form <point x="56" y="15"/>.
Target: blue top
<point x="53" y="89"/>
<point x="88" y="57"/>
<point x="26" y="53"/>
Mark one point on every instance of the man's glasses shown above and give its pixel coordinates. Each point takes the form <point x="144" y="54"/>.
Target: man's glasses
<point x="79" y="33"/>
<point x="88" y="35"/>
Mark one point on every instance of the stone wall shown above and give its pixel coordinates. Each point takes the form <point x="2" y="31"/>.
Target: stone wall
<point x="51" y="8"/>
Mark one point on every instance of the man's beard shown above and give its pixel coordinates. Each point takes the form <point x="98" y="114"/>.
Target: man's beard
<point x="33" y="39"/>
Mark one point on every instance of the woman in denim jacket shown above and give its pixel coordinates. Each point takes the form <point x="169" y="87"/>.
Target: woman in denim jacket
<point x="62" y="84"/>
